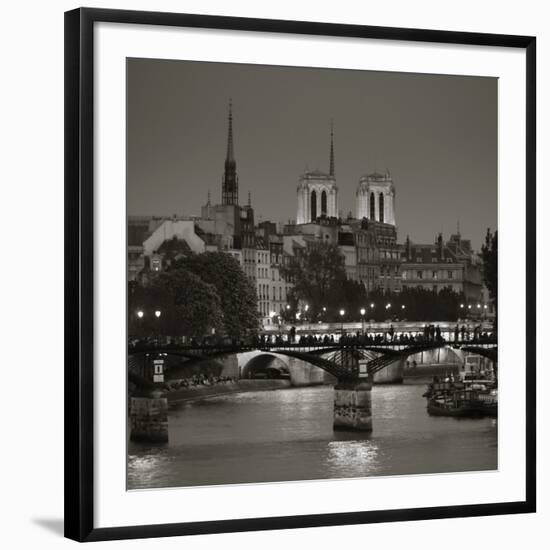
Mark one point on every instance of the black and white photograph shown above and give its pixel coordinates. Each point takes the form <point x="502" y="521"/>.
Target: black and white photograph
<point x="312" y="273"/>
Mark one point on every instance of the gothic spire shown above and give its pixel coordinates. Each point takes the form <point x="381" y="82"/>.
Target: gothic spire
<point x="331" y="171"/>
<point x="230" y="154"/>
<point x="230" y="186"/>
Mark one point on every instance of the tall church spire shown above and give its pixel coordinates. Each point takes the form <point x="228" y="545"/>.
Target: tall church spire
<point x="230" y="185"/>
<point x="230" y="153"/>
<point x="331" y="171"/>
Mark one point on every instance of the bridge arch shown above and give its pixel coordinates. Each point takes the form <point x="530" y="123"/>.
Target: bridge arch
<point x="265" y="365"/>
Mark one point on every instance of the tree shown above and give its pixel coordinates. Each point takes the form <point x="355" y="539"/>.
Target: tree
<point x="196" y="307"/>
<point x="187" y="306"/>
<point x="236" y="293"/>
<point x="421" y="304"/>
<point x="489" y="258"/>
<point x="315" y="273"/>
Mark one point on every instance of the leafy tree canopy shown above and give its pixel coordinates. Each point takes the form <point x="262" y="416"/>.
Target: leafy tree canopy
<point x="236" y="293"/>
<point x="187" y="306"/>
<point x="316" y="272"/>
<point x="489" y="258"/>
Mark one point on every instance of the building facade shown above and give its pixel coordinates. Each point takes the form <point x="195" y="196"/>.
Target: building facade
<point x="317" y="193"/>
<point x="375" y="198"/>
<point x="441" y="265"/>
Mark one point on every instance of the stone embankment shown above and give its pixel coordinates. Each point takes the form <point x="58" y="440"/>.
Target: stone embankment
<point x="192" y="393"/>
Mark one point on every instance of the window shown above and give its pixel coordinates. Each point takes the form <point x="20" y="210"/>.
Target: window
<point x="313" y="206"/>
<point x="324" y="203"/>
<point x="419" y="274"/>
<point x="434" y="274"/>
<point x="372" y="207"/>
<point x="381" y="207"/>
<point x="450" y="274"/>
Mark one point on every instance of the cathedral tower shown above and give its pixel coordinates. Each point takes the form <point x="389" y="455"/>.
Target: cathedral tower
<point x="230" y="184"/>
<point x="317" y="192"/>
<point x="375" y="198"/>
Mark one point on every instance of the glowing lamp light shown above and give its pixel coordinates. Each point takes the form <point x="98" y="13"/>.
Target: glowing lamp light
<point x="372" y="306"/>
<point x="307" y="307"/>
<point x="342" y="312"/>
<point x="140" y="314"/>
<point x="469" y="306"/>
<point x="402" y="307"/>
<point x="271" y="314"/>
<point x="461" y="306"/>
<point x="288" y="306"/>
<point x="388" y="306"/>
<point x="363" y="311"/>
<point x="485" y="306"/>
<point x="478" y="306"/>
<point x="324" y="308"/>
<point x="157" y="314"/>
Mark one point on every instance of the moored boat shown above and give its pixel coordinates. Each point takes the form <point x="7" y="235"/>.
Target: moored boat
<point x="473" y="393"/>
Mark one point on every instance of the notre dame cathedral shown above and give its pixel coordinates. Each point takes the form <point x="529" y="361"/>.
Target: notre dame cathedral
<point x="317" y="195"/>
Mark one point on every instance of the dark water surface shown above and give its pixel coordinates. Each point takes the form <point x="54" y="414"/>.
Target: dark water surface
<point x="286" y="435"/>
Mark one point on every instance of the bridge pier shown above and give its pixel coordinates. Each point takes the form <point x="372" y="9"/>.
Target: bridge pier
<point x="352" y="406"/>
<point x="149" y="418"/>
<point x="352" y="396"/>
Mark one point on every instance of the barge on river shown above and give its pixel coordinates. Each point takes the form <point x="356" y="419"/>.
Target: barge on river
<point x="473" y="393"/>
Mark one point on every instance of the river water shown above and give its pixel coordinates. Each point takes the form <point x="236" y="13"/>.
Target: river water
<point x="287" y="435"/>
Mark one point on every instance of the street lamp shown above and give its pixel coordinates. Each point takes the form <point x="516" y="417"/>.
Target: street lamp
<point x="362" y="312"/>
<point x="342" y="313"/>
<point x="157" y="328"/>
<point x="140" y="314"/>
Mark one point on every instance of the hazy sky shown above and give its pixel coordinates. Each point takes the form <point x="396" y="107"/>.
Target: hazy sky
<point x="437" y="135"/>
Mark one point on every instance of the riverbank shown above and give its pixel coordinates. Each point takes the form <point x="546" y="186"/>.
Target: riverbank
<point x="424" y="374"/>
<point x="239" y="386"/>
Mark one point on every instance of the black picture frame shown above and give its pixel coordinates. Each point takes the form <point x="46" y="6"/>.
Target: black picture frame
<point x="79" y="264"/>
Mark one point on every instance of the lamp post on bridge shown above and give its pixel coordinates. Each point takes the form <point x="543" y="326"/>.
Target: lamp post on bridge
<point x="363" y="311"/>
<point x="371" y="316"/>
<point x="149" y="408"/>
<point x="342" y="313"/>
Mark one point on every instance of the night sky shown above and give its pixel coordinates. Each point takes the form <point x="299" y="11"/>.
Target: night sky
<point x="437" y="135"/>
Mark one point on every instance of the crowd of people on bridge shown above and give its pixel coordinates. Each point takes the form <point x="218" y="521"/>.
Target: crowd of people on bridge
<point x="429" y="333"/>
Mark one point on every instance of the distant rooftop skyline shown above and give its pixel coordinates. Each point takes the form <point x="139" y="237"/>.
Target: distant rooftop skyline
<point x="436" y="134"/>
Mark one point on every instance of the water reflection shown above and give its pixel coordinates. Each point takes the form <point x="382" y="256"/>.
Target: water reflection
<point x="287" y="435"/>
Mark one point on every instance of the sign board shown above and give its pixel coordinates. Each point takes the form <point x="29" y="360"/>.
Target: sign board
<point x="363" y="372"/>
<point x="158" y="372"/>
